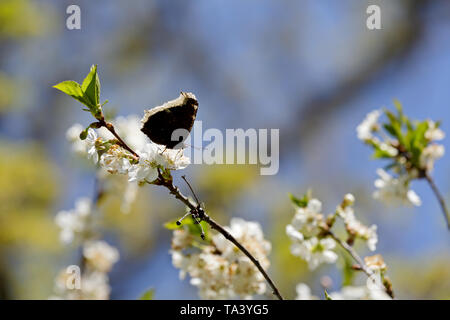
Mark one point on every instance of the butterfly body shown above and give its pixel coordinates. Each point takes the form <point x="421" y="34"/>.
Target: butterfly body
<point x="160" y="122"/>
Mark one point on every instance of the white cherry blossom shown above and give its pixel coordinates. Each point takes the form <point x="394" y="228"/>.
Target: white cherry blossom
<point x="370" y="123"/>
<point x="395" y="191"/>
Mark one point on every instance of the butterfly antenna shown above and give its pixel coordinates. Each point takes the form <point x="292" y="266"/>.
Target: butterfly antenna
<point x="194" y="147"/>
<point x="194" y="212"/>
<point x="182" y="218"/>
<point x="197" y="221"/>
<point x="189" y="185"/>
<point x="202" y="235"/>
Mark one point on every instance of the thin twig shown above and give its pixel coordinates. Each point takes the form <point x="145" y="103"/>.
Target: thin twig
<point x="192" y="190"/>
<point x="353" y="253"/>
<point x="111" y="129"/>
<point x="440" y="199"/>
<point x="358" y="260"/>
<point x="229" y="237"/>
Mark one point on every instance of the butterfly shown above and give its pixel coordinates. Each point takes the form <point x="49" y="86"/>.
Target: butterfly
<point x="159" y="123"/>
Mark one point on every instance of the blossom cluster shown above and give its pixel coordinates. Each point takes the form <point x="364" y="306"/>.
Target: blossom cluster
<point x="101" y="147"/>
<point x="409" y="145"/>
<point x="310" y="233"/>
<point x="106" y="149"/>
<point x="99" y="258"/>
<point x="78" y="226"/>
<point x="218" y="268"/>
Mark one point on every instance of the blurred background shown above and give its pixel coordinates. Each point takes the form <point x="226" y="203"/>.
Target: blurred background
<point x="310" y="68"/>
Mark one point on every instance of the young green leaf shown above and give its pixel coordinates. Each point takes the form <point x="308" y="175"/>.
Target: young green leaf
<point x="418" y="142"/>
<point x="392" y="118"/>
<point x="91" y="87"/>
<point x="398" y="106"/>
<point x="395" y="126"/>
<point x="195" y="229"/>
<point x="73" y="89"/>
<point x="148" y="295"/>
<point x="389" y="128"/>
<point x="301" y="203"/>
<point x="172" y="225"/>
<point x="191" y="225"/>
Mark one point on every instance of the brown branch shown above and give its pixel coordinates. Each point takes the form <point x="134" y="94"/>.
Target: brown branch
<point x="110" y="127"/>
<point x="229" y="237"/>
<point x="440" y="199"/>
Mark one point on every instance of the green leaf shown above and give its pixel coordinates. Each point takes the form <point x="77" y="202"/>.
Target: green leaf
<point x="401" y="116"/>
<point x="395" y="126"/>
<point x="389" y="128"/>
<point x="409" y="125"/>
<point x="191" y="225"/>
<point x="73" y="89"/>
<point x="91" y="87"/>
<point x="302" y="203"/>
<point x="392" y="118"/>
<point x="172" y="225"/>
<point x="418" y="142"/>
<point x="195" y="229"/>
<point x="421" y="129"/>
<point x="327" y="296"/>
<point x="409" y="134"/>
<point x="399" y="108"/>
<point x="148" y="295"/>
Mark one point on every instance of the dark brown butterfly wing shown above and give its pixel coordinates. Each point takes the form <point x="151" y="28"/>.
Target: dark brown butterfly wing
<point x="160" y="125"/>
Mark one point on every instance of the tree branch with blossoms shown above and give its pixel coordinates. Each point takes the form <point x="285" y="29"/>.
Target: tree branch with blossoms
<point x="412" y="150"/>
<point x="233" y="260"/>
<point x="151" y="165"/>
<point x="202" y="216"/>
<point x="352" y="252"/>
<point x="375" y="262"/>
<point x="314" y="241"/>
